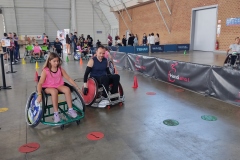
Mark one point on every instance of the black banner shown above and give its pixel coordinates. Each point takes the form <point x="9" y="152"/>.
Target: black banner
<point x="188" y="75"/>
<point x="142" y="64"/>
<point x="224" y="84"/>
<point x="119" y="58"/>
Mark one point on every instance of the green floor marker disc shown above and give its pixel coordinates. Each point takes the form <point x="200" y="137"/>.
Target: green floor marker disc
<point x="171" y="122"/>
<point x="209" y="118"/>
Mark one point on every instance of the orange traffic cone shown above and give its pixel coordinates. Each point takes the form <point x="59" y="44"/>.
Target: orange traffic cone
<point x="81" y="61"/>
<point x="135" y="82"/>
<point x="36" y="77"/>
<point x="115" y="69"/>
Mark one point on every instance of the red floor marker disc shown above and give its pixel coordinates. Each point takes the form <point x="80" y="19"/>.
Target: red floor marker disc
<point x="151" y="93"/>
<point x="29" y="147"/>
<point x="237" y="100"/>
<point x="94" y="136"/>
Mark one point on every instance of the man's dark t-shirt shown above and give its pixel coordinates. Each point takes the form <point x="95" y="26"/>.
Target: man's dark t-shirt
<point x="124" y="41"/>
<point x="58" y="45"/>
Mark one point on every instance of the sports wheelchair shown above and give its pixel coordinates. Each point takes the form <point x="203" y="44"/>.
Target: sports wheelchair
<point x="227" y="62"/>
<point x="84" y="55"/>
<point x="36" y="113"/>
<point x="94" y="95"/>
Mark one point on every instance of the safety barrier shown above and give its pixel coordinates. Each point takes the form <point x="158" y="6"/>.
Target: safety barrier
<point x="217" y="82"/>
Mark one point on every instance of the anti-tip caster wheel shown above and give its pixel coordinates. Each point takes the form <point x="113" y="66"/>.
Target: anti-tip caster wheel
<point x="62" y="127"/>
<point x="78" y="122"/>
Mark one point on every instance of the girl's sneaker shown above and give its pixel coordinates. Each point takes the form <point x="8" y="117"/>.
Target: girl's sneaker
<point x="56" y="118"/>
<point x="72" y="113"/>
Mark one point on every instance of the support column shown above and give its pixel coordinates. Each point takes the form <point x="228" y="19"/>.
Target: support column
<point x="73" y="16"/>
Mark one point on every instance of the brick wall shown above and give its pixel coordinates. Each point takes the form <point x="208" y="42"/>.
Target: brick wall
<point x="146" y="19"/>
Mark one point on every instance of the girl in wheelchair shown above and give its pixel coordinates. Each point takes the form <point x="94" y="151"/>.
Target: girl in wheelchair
<point x="37" y="51"/>
<point x="51" y="81"/>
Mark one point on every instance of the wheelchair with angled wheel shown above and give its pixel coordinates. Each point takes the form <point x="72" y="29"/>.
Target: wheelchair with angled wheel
<point x="36" y="113"/>
<point x="232" y="61"/>
<point x="94" y="95"/>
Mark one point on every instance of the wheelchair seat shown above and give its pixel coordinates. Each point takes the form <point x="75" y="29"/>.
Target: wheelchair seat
<point x="95" y="90"/>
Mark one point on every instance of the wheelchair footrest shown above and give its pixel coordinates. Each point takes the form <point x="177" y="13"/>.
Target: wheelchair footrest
<point x="113" y="95"/>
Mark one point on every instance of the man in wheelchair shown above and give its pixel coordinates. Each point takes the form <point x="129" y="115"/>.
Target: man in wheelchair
<point x="235" y="50"/>
<point x="99" y="70"/>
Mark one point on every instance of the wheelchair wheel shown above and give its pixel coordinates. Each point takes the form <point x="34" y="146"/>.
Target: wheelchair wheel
<point x="77" y="99"/>
<point x="34" y="111"/>
<point x="111" y="67"/>
<point x="92" y="91"/>
<point x="45" y="56"/>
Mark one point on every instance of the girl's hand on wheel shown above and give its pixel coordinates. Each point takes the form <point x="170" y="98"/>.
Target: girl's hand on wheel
<point x="39" y="98"/>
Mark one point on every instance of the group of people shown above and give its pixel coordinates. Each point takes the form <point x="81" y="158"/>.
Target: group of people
<point x="134" y="40"/>
<point x="78" y="43"/>
<point x="11" y="51"/>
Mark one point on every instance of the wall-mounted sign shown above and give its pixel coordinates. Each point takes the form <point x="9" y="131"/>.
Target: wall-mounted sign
<point x="99" y="32"/>
<point x="233" y="22"/>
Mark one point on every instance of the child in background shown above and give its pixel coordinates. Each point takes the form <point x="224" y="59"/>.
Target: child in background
<point x="51" y="82"/>
<point x="37" y="50"/>
<point x="29" y="48"/>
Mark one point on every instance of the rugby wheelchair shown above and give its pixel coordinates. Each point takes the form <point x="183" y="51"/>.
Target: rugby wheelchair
<point x="95" y="90"/>
<point x="227" y="62"/>
<point x="28" y="51"/>
<point x="84" y="55"/>
<point x="36" y="113"/>
<point x="42" y="58"/>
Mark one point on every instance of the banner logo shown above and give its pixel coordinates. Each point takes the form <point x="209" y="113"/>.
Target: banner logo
<point x="173" y="74"/>
<point x="114" y="56"/>
<point x="138" y="63"/>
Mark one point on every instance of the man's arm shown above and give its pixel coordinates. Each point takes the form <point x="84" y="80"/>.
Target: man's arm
<point x="87" y="71"/>
<point x="229" y="49"/>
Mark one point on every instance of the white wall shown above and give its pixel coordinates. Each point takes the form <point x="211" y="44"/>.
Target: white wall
<point x="1" y="26"/>
<point x="35" y="17"/>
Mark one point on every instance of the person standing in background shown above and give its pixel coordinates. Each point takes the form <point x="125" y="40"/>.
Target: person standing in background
<point x="45" y="39"/>
<point x="144" y="40"/>
<point x="119" y="43"/>
<point x="75" y="39"/>
<point x="68" y="42"/>
<point x="124" y="40"/>
<point x="135" y="40"/>
<point x="81" y="39"/>
<point x="5" y="36"/>
<point x="48" y="43"/>
<point x="130" y="40"/>
<point x="90" y="41"/>
<point x="157" y="40"/>
<point x="16" y="51"/>
<point x="152" y="39"/>
<point x="109" y="40"/>
<point x="148" y="39"/>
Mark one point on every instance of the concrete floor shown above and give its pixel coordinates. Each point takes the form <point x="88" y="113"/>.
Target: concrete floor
<point x="134" y="131"/>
